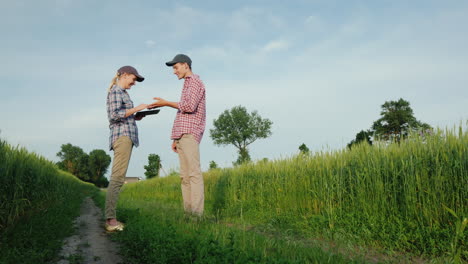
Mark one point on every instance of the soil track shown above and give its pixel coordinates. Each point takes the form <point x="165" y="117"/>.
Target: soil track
<point x="91" y="243"/>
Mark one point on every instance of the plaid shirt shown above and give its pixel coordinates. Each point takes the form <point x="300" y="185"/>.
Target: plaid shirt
<point x="118" y="101"/>
<point x="191" y="117"/>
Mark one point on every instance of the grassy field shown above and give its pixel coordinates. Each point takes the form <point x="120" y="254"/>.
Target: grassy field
<point x="395" y="203"/>
<point x="406" y="199"/>
<point x="38" y="203"/>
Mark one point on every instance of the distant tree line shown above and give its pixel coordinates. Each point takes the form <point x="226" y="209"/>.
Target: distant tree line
<point x="88" y="167"/>
<point x="395" y="123"/>
<point x="240" y="128"/>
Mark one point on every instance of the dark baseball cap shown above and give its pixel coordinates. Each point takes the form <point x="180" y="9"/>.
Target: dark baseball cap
<point x="180" y="58"/>
<point x="130" y="69"/>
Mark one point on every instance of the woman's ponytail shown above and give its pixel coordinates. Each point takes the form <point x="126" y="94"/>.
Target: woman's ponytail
<point x="113" y="82"/>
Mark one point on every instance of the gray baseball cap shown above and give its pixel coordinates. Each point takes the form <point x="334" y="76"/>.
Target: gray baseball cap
<point x="180" y="58"/>
<point x="130" y="69"/>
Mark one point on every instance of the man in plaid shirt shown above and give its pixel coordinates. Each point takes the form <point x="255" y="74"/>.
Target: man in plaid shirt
<point x="187" y="132"/>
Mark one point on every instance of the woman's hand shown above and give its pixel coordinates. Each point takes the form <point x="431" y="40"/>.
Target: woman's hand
<point x="132" y="111"/>
<point x="142" y="107"/>
<point x="139" y="117"/>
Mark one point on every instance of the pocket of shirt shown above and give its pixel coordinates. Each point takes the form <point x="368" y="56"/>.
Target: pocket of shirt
<point x="127" y="102"/>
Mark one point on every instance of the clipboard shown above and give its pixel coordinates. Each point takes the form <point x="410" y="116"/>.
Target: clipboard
<point x="145" y="113"/>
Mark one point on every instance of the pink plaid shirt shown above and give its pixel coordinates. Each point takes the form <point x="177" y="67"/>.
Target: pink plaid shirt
<point x="191" y="116"/>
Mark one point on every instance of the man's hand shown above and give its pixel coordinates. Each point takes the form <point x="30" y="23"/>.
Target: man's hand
<point x="174" y="146"/>
<point x="159" y="103"/>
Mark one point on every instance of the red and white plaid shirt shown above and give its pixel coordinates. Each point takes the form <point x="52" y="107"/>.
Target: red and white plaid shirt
<point x="191" y="116"/>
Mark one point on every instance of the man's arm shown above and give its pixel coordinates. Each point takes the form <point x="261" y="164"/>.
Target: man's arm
<point x="191" y="97"/>
<point x="161" y="102"/>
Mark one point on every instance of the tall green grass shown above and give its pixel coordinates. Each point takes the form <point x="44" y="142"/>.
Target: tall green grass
<point x="397" y="197"/>
<point x="158" y="232"/>
<point x="37" y="205"/>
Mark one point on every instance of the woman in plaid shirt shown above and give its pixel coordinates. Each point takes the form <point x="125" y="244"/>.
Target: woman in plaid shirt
<point x="123" y="136"/>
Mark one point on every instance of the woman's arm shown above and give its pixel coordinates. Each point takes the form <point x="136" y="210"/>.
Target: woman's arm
<point x="133" y="110"/>
<point x="115" y="107"/>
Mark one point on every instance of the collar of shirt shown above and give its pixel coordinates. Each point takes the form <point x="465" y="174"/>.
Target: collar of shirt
<point x="116" y="86"/>
<point x="192" y="76"/>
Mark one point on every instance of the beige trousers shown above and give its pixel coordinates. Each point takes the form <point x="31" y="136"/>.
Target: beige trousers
<point x="122" y="152"/>
<point x="190" y="174"/>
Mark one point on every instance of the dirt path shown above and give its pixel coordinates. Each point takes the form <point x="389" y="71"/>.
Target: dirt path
<point x="91" y="243"/>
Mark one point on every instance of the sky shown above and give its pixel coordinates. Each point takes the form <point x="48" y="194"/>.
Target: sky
<point x="318" y="69"/>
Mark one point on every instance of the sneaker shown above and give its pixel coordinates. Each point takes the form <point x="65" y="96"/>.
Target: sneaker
<point x="118" y="227"/>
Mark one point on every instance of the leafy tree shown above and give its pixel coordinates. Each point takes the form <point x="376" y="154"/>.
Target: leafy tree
<point x="240" y="128"/>
<point x="244" y="157"/>
<point x="83" y="170"/>
<point x="396" y="121"/>
<point x="213" y="165"/>
<point x="304" y="149"/>
<point x="98" y="163"/>
<point x="363" y="135"/>
<point x="90" y="168"/>
<point x="154" y="164"/>
<point x="102" y="182"/>
<point x="73" y="160"/>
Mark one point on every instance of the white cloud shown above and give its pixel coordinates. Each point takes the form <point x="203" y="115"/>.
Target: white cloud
<point x="252" y="23"/>
<point x="150" y="43"/>
<point x="241" y="22"/>
<point x="314" y="23"/>
<point x="194" y="20"/>
<point x="331" y="73"/>
<point x="276" y="45"/>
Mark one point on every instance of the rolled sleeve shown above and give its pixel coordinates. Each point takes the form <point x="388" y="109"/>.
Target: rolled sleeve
<point x="117" y="112"/>
<point x="191" y="97"/>
<point x="191" y="117"/>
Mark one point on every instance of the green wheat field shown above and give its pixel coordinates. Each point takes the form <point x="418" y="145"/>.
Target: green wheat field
<point x="387" y="203"/>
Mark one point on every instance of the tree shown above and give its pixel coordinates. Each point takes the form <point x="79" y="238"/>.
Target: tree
<point x="98" y="163"/>
<point x="396" y="121"/>
<point x="73" y="160"/>
<point x="213" y="165"/>
<point x="244" y="157"/>
<point x="152" y="169"/>
<point x="102" y="182"/>
<point x="90" y="168"/>
<point x="361" y="136"/>
<point x="240" y="128"/>
<point x="304" y="149"/>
